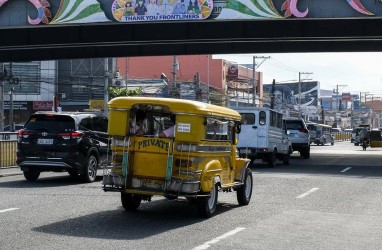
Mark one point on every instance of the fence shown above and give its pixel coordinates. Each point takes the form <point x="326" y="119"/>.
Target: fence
<point x="8" y="146"/>
<point x="342" y="136"/>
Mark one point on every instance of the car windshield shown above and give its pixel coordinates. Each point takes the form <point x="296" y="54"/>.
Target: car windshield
<point x="295" y="125"/>
<point x="50" y="123"/>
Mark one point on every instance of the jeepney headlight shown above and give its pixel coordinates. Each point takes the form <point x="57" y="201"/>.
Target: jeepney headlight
<point x="135" y="182"/>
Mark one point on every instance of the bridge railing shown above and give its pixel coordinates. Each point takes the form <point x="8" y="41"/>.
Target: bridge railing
<point x="8" y="145"/>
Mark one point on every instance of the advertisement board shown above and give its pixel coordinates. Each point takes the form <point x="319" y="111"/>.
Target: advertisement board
<point x="37" y="12"/>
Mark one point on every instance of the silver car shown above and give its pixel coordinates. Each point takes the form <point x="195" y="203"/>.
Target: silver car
<point x="298" y="133"/>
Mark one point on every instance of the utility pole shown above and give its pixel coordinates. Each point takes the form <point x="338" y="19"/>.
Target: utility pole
<point x="299" y="90"/>
<point x="338" y="97"/>
<point x="3" y="75"/>
<point x="254" y="75"/>
<point x="360" y="99"/>
<point x="106" y="86"/>
<point x="175" y="67"/>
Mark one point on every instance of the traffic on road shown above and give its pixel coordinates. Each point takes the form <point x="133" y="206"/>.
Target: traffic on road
<point x="329" y="201"/>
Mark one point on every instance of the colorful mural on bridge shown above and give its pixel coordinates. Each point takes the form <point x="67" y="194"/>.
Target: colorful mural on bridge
<point x="92" y="11"/>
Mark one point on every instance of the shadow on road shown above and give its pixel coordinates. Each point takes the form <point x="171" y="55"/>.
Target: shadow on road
<point x="152" y="218"/>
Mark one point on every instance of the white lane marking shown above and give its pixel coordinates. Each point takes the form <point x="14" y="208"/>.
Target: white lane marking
<point x="217" y="239"/>
<point x="8" y="209"/>
<point x="306" y="193"/>
<point x="346" y="169"/>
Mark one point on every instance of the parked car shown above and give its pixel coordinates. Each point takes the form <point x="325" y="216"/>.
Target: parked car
<point x="298" y="133"/>
<point x="75" y="142"/>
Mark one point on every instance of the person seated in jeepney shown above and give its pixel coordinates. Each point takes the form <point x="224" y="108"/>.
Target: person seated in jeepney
<point x="170" y="131"/>
<point x="137" y="128"/>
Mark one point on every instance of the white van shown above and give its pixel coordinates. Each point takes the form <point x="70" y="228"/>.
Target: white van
<point x="263" y="136"/>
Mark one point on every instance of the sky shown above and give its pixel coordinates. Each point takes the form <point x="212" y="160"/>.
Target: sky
<point x="352" y="72"/>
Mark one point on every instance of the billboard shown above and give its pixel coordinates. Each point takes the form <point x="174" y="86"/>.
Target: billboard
<point x="287" y="96"/>
<point x="36" y="12"/>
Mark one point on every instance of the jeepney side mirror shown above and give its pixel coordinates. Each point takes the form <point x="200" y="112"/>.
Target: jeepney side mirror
<point x="288" y="132"/>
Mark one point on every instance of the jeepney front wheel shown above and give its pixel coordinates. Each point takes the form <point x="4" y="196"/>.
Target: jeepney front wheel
<point x="244" y="193"/>
<point x="207" y="205"/>
<point x="130" y="202"/>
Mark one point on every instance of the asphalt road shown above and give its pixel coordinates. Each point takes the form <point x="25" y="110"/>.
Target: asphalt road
<point x="331" y="201"/>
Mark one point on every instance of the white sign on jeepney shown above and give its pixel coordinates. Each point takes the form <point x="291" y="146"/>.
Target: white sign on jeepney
<point x="184" y="127"/>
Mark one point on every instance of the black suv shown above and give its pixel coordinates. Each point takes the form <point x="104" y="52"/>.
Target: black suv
<point x="75" y="142"/>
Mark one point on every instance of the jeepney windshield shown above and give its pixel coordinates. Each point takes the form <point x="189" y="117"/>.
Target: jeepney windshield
<point x="219" y="130"/>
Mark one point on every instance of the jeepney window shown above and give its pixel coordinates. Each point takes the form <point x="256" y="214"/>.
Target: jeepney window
<point x="218" y="130"/>
<point x="248" y="118"/>
<point x="150" y="120"/>
<point x="262" y="118"/>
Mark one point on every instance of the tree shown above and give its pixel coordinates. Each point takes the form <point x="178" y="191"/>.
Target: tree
<point x="118" y="91"/>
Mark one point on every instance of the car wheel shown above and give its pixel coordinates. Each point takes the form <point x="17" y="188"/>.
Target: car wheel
<point x="31" y="175"/>
<point x="272" y="159"/>
<point x="90" y="171"/>
<point x="207" y="206"/>
<point x="130" y="202"/>
<point x="244" y="193"/>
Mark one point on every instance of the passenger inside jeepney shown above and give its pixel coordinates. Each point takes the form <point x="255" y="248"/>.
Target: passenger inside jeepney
<point x="170" y="131"/>
<point x="137" y="127"/>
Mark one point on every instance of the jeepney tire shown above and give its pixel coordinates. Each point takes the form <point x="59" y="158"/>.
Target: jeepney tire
<point x="332" y="143"/>
<point x="271" y="159"/>
<point x="130" y="202"/>
<point x="207" y="205"/>
<point x="31" y="175"/>
<point x="90" y="170"/>
<point x="244" y="193"/>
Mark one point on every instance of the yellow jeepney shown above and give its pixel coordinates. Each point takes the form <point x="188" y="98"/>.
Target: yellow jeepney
<point x="195" y="160"/>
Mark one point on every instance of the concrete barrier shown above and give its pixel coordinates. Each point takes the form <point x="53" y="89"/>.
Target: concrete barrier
<point x="8" y="146"/>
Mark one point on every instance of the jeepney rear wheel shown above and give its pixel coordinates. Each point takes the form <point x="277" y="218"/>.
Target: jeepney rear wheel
<point x="244" y="193"/>
<point x="130" y="202"/>
<point x="207" y="205"/>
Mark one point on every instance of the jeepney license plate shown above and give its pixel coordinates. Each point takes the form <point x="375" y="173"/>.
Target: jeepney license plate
<point x="44" y="141"/>
<point x="147" y="183"/>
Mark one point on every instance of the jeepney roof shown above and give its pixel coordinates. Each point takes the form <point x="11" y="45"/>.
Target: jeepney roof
<point x="175" y="105"/>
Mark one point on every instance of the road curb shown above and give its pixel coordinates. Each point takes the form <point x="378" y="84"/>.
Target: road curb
<point x="6" y="175"/>
<point x="9" y="174"/>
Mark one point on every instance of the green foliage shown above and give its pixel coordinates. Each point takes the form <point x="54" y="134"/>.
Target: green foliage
<point x="118" y="91"/>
